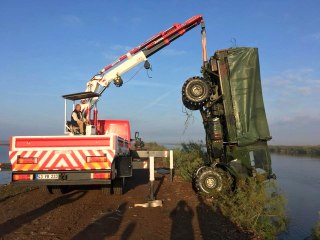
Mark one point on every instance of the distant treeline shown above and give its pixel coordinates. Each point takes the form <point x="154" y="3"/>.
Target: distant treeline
<point x="4" y="143"/>
<point x="313" y="151"/>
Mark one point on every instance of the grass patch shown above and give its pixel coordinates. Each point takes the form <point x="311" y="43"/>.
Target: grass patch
<point x="153" y="146"/>
<point x="316" y="231"/>
<point x="188" y="158"/>
<point x="255" y="207"/>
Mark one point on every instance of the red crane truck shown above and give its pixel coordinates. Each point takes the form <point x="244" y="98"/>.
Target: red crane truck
<point x="103" y="156"/>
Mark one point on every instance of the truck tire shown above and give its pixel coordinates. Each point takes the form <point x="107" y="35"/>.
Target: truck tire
<point x="57" y="190"/>
<point x="118" y="186"/>
<point x="195" y="175"/>
<point x="211" y="180"/>
<point x="196" y="93"/>
<point x="44" y="189"/>
<point x="106" y="190"/>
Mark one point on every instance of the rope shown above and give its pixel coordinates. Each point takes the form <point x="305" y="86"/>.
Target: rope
<point x="134" y="74"/>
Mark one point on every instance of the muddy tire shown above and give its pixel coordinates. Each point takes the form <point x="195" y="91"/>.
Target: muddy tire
<point x="106" y="189"/>
<point x="195" y="175"/>
<point x="211" y="180"/>
<point x="196" y="93"/>
<point x="118" y="186"/>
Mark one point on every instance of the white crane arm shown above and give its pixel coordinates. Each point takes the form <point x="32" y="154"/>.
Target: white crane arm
<point x="115" y="70"/>
<point x="99" y="82"/>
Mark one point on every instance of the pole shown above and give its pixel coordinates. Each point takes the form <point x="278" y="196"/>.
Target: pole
<point x="171" y="165"/>
<point x="151" y="169"/>
<point x="65" y="117"/>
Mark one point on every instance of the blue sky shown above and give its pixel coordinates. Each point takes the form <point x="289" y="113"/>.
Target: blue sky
<point x="52" y="48"/>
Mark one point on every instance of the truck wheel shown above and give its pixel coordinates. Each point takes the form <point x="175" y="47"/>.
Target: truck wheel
<point x="195" y="93"/>
<point x="106" y="189"/>
<point x="118" y="186"/>
<point x="55" y="189"/>
<point x="195" y="176"/>
<point x="44" y="189"/>
<point x="211" y="180"/>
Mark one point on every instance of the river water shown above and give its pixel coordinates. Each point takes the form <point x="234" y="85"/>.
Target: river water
<point x="298" y="178"/>
<point x="5" y="177"/>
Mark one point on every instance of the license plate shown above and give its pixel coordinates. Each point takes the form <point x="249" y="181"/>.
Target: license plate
<point x="47" y="176"/>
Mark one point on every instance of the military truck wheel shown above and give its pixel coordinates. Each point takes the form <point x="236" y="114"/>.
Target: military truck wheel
<point x="195" y="176"/>
<point x="118" y="186"/>
<point x="210" y="180"/>
<point x="195" y="93"/>
<point x="106" y="189"/>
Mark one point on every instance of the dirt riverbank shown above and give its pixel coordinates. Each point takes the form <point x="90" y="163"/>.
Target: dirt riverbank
<point x="31" y="213"/>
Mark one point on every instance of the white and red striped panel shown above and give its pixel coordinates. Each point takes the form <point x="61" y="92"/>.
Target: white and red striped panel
<point x="61" y="159"/>
<point x="66" y="152"/>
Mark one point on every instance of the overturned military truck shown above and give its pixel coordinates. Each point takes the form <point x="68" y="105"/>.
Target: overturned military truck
<point x="229" y="98"/>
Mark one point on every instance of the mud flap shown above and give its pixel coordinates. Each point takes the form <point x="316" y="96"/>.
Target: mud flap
<point x="124" y="166"/>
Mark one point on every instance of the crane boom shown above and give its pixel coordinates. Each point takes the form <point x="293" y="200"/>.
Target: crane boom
<point x="137" y="55"/>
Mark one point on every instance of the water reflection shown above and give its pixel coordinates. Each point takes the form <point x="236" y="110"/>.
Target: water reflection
<point x="300" y="180"/>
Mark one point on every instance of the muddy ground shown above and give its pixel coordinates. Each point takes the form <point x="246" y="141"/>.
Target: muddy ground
<point x="31" y="213"/>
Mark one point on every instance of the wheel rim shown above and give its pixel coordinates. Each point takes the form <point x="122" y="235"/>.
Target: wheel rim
<point x="195" y="93"/>
<point x="210" y="180"/>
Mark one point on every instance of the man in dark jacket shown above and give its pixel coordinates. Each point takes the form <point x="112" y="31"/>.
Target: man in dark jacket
<point x="77" y="119"/>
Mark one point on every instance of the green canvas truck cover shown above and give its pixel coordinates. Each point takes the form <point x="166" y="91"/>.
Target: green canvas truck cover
<point x="246" y="95"/>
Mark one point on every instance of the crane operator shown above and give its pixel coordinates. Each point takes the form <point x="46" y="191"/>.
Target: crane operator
<point x="77" y="119"/>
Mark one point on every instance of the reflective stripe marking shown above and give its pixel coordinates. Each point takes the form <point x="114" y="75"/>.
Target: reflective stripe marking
<point x="50" y="160"/>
